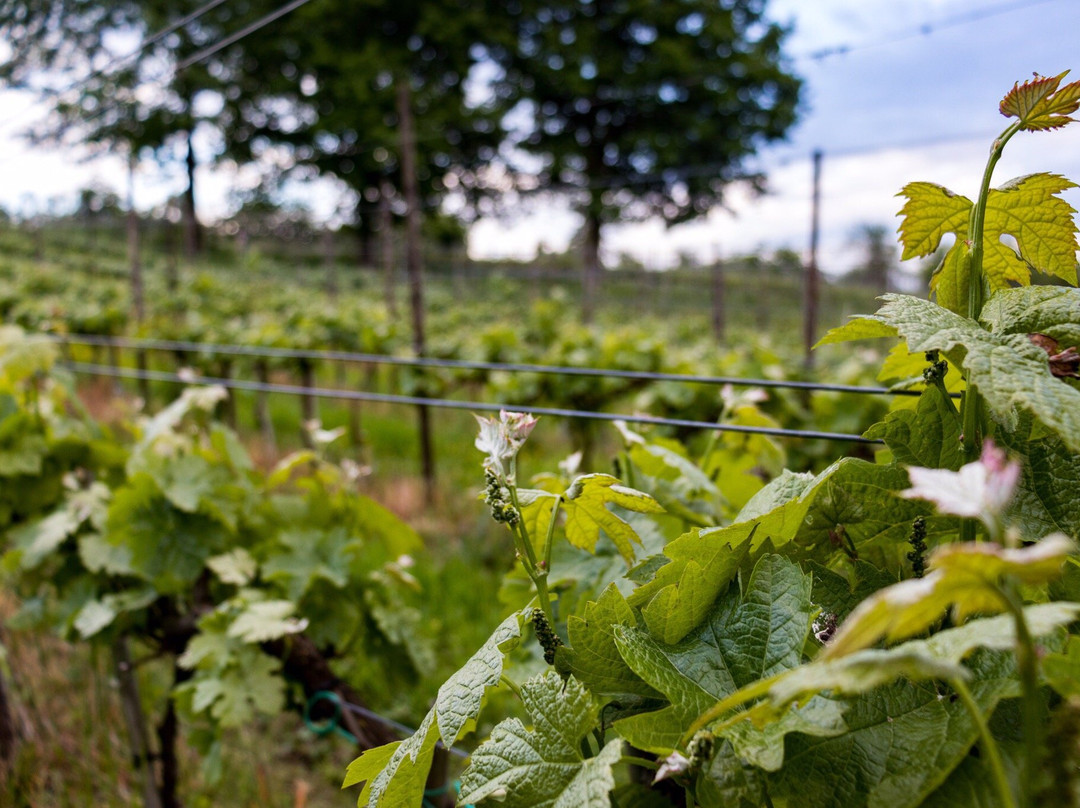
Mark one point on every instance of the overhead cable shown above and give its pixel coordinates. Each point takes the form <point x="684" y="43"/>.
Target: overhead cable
<point x="444" y="403"/>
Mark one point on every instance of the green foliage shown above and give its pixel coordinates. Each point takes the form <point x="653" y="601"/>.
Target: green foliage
<point x="544" y="766"/>
<point x="837" y="639"/>
<point x="394" y="774"/>
<point x="1027" y="209"/>
<point x="1009" y="371"/>
<point x="585" y="504"/>
<point x="171" y="536"/>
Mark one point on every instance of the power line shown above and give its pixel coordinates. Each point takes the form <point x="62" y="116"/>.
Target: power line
<point x="204" y="54"/>
<point x="925" y="29"/>
<point x="444" y="403"/>
<point x="115" y="62"/>
<point x="187" y="346"/>
<point x="209" y="51"/>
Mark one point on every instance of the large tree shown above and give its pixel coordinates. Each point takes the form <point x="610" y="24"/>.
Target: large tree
<point x="642" y="108"/>
<point x="109" y="73"/>
<point x="331" y="75"/>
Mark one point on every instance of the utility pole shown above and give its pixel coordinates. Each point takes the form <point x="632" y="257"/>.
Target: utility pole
<point x="414" y="267"/>
<point x="719" y="312"/>
<point x="810" y="300"/>
<point x="138" y="293"/>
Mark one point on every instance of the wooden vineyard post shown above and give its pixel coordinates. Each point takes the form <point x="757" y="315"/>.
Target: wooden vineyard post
<point x="136" y="722"/>
<point x="718" y="312"/>
<point x="414" y="268"/>
<point x="309" y="408"/>
<point x="138" y="294"/>
<point x="8" y="736"/>
<point x="810" y="302"/>
<point x="262" y="407"/>
<point x="438" y="791"/>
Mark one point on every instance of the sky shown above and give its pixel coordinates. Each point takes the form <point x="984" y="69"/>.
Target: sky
<point x="895" y="91"/>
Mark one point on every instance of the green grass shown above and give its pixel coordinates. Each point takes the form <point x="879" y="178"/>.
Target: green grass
<point x="75" y="750"/>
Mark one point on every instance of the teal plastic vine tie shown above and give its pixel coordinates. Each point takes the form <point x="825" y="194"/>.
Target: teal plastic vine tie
<point x="331" y="724"/>
<point x="438" y="792"/>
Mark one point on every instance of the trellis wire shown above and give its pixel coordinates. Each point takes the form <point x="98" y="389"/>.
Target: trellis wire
<point x="444" y="403"/>
<point x="228" y="349"/>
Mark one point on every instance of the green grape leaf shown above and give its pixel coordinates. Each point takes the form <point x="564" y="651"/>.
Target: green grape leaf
<point x="23" y="355"/>
<point x="397" y="777"/>
<point x="666" y="461"/>
<point x="971" y="784"/>
<point x="1008" y="370"/>
<point x="789" y="485"/>
<point x="595" y="660"/>
<point x="190" y="400"/>
<point x="462" y="695"/>
<point x="729" y="782"/>
<point x="395" y="774"/>
<point x="928" y="436"/>
<point x="93" y="617"/>
<point x="308" y="555"/>
<point x="366" y="767"/>
<point x="23" y="453"/>
<point x="1027" y="208"/>
<point x="96" y="615"/>
<point x="658" y="731"/>
<point x="544" y="767"/>
<point x="888" y="728"/>
<point x="930" y="212"/>
<point x="99" y="555"/>
<point x="965" y="577"/>
<point x="585" y="504"/>
<point x="156" y="542"/>
<point x="36" y="541"/>
<point x="1062" y="671"/>
<point x="935" y="658"/>
<point x="1041" y="103"/>
<point x="266" y="620"/>
<point x="851" y="504"/>
<point x="1045" y="497"/>
<point x="235" y="695"/>
<point x="235" y="567"/>
<point x="744" y="639"/>
<point x="1050" y="310"/>
<point x="855" y="329"/>
<point x="701" y="565"/>
<point x="854" y="509"/>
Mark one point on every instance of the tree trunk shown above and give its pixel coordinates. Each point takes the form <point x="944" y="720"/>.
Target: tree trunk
<point x="136" y="723"/>
<point x="193" y="240"/>
<point x="9" y="738"/>
<point x="330" y="263"/>
<point x="590" y="281"/>
<point x="168" y="732"/>
<point x="366" y="234"/>
<point x="386" y="247"/>
<point x="414" y="267"/>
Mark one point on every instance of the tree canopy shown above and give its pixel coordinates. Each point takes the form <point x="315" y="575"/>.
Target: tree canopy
<point x="639" y="108"/>
<point x="632" y="108"/>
